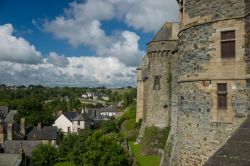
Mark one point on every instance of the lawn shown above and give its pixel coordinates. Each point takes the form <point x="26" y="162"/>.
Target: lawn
<point x="148" y="160"/>
<point x="64" y="164"/>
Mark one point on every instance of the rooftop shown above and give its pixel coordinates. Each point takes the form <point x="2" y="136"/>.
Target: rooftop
<point x="10" y="159"/>
<point x="236" y="151"/>
<point x="43" y="133"/>
<point x="13" y="147"/>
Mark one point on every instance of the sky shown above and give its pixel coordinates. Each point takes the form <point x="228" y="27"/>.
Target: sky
<point x="77" y="42"/>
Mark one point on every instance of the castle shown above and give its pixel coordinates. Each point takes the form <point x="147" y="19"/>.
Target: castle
<point x="196" y="79"/>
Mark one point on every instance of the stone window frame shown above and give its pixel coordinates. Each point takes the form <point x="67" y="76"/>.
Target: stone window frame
<point x="222" y="94"/>
<point x="157" y="84"/>
<point x="217" y="39"/>
<point x="227" y="40"/>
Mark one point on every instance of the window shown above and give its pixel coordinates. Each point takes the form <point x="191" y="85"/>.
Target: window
<point x="181" y="10"/>
<point x="228" y="44"/>
<point x="79" y="122"/>
<point x="222" y="96"/>
<point x="68" y="129"/>
<point x="157" y="84"/>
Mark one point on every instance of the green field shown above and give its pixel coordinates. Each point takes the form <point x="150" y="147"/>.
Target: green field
<point x="120" y="91"/>
<point x="64" y="164"/>
<point x="147" y="160"/>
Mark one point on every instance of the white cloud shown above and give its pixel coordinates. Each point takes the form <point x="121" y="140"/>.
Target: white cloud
<point x="81" y="71"/>
<point x="15" y="49"/>
<point x="150" y="15"/>
<point x="23" y="64"/>
<point x="81" y="24"/>
<point x="57" y="60"/>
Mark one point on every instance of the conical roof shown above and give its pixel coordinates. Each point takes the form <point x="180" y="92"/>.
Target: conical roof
<point x="166" y="32"/>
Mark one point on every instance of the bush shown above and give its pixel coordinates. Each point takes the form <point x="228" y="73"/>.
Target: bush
<point x="44" y="155"/>
<point x="154" y="139"/>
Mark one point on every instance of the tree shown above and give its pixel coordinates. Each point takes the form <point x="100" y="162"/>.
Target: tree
<point x="44" y="155"/>
<point x="105" y="150"/>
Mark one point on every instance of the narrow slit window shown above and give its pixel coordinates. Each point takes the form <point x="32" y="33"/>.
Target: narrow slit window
<point x="228" y="44"/>
<point x="222" y="96"/>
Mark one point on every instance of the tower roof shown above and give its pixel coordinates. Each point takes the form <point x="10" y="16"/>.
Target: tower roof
<point x="167" y="32"/>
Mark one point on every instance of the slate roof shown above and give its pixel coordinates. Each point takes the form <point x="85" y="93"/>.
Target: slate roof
<point x="70" y="115"/>
<point x="236" y="151"/>
<point x="165" y="33"/>
<point x="10" y="116"/>
<point x="45" y="133"/>
<point x="81" y="117"/>
<point x="3" y="111"/>
<point x="13" y="147"/>
<point x="10" y="159"/>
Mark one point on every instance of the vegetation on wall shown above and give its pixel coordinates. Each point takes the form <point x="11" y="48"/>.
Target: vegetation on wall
<point x="154" y="139"/>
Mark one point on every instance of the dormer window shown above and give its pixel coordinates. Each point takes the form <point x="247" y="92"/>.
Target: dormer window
<point x="228" y="44"/>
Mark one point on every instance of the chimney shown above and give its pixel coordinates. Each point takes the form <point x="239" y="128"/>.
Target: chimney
<point x="39" y="126"/>
<point x="2" y="134"/>
<point x="21" y="151"/>
<point x="23" y="126"/>
<point x="10" y="131"/>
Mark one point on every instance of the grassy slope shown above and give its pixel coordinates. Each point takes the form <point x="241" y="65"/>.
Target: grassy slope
<point x="148" y="160"/>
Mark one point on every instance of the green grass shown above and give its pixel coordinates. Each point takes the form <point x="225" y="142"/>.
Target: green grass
<point x="64" y="164"/>
<point x="121" y="91"/>
<point x="147" y="160"/>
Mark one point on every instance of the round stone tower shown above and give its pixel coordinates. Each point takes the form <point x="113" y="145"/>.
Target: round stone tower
<point x="210" y="88"/>
<point x="159" y="53"/>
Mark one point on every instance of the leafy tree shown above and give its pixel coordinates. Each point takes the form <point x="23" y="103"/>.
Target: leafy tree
<point x="44" y="155"/>
<point x="105" y="150"/>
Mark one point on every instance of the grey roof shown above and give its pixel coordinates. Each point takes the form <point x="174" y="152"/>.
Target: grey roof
<point x="3" y="111"/>
<point x="10" y="159"/>
<point x="70" y="115"/>
<point x="10" y="117"/>
<point x="165" y="33"/>
<point x="45" y="133"/>
<point x="81" y="117"/>
<point x="236" y="151"/>
<point x="13" y="147"/>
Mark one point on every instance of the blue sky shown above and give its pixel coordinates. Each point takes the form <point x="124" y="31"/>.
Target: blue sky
<point x="52" y="36"/>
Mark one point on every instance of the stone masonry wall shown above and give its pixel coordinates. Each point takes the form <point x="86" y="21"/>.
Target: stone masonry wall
<point x="201" y="11"/>
<point x="158" y="100"/>
<point x="201" y="128"/>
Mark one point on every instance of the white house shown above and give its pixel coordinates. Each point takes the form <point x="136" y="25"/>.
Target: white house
<point x="72" y="122"/>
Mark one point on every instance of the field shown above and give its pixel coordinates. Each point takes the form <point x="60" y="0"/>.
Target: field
<point x="147" y="160"/>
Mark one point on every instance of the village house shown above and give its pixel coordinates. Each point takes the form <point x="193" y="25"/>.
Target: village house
<point x="46" y="134"/>
<point x="72" y="122"/>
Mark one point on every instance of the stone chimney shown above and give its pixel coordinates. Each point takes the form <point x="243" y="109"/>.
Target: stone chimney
<point x="10" y="131"/>
<point x="23" y="126"/>
<point x="21" y="151"/>
<point x="39" y="126"/>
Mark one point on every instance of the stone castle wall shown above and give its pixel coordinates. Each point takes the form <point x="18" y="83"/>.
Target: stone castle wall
<point x="202" y="11"/>
<point x="198" y="127"/>
<point x="158" y="100"/>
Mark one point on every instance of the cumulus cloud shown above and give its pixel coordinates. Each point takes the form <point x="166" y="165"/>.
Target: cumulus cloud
<point x="21" y="63"/>
<point x="16" y="49"/>
<point x="57" y="60"/>
<point x="149" y="15"/>
<point x="80" y="71"/>
<point x="81" y="24"/>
